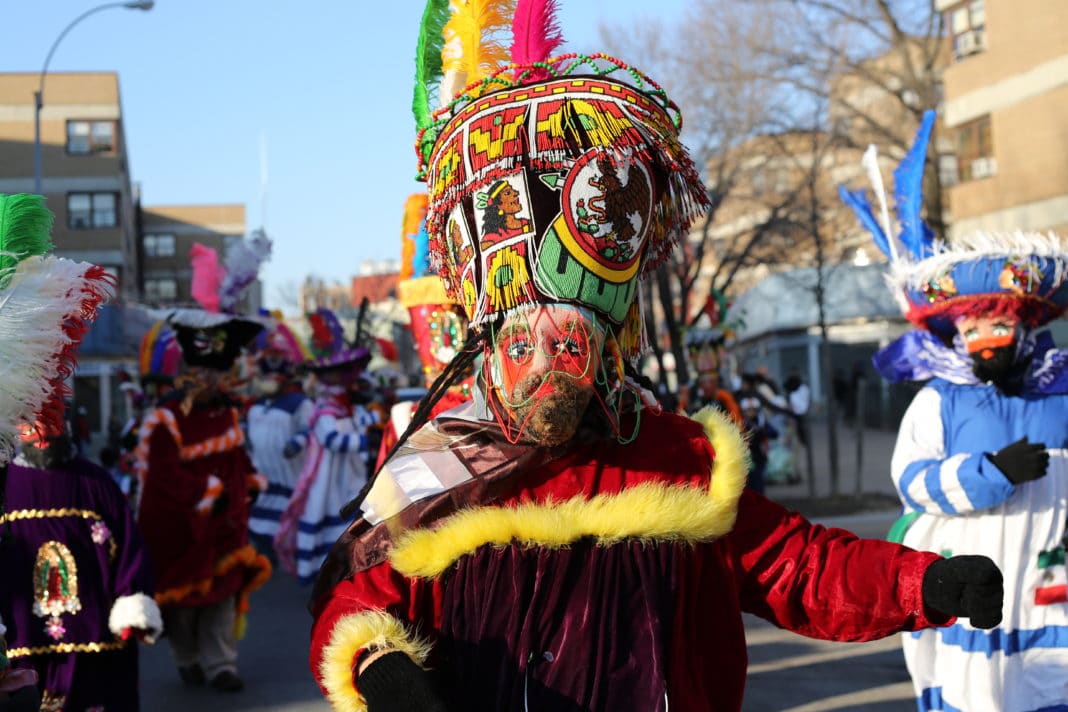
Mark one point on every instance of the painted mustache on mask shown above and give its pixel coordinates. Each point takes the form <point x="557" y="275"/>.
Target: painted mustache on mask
<point x="550" y="407"/>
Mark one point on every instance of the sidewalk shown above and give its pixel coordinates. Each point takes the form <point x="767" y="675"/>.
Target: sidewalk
<point x="876" y="484"/>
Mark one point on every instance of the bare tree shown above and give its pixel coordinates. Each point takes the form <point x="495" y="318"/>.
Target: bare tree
<point x="705" y="64"/>
<point x="875" y="65"/>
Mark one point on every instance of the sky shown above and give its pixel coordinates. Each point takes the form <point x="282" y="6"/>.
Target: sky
<point x="322" y="88"/>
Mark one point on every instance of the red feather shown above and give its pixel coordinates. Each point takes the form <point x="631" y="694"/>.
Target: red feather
<point x="535" y="34"/>
<point x="321" y="337"/>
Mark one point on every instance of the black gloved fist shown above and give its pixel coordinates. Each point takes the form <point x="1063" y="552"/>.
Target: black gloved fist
<point x="1021" y="461"/>
<point x="967" y="587"/>
<point x="394" y="683"/>
<point x="220" y="505"/>
<point x="290" y="451"/>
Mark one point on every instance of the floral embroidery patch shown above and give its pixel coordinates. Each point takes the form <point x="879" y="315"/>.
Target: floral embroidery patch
<point x="100" y="532"/>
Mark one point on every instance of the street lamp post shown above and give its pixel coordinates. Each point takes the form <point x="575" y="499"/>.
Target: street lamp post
<point x="38" y="96"/>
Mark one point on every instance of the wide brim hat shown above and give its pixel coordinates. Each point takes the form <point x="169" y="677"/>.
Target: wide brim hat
<point x="212" y="340"/>
<point x="329" y="348"/>
<point x="1019" y="274"/>
<point x="935" y="281"/>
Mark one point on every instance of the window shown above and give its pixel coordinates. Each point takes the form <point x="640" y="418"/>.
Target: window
<point x="159" y="245"/>
<point x="85" y="138"/>
<point x="947" y="169"/>
<point x="92" y="210"/>
<point x="967" y="24"/>
<point x="975" y="150"/>
<point x="163" y="289"/>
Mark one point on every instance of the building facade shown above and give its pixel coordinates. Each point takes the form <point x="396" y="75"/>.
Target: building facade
<point x="168" y="234"/>
<point x="85" y="172"/>
<point x="1006" y="95"/>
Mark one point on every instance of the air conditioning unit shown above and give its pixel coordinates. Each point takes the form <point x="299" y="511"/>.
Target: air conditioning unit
<point x="967" y="43"/>
<point x="983" y="167"/>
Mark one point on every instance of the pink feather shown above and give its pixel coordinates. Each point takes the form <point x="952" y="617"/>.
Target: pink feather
<point x="208" y="276"/>
<point x="535" y="34"/>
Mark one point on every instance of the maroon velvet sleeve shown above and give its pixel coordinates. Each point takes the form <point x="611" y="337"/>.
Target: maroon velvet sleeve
<point x="824" y="582"/>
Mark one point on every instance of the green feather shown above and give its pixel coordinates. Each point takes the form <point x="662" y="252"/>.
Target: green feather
<point x="428" y="49"/>
<point x="25" y="228"/>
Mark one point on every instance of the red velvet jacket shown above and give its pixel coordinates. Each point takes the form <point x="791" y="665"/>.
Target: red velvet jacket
<point x="610" y="578"/>
<point x="199" y="556"/>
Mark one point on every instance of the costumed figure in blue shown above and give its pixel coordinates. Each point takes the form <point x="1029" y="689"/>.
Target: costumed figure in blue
<point x="336" y="441"/>
<point x="281" y="411"/>
<point x="980" y="462"/>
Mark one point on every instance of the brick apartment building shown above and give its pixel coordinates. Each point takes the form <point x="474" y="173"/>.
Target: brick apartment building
<point x="168" y="233"/>
<point x="84" y="167"/>
<point x="1006" y="95"/>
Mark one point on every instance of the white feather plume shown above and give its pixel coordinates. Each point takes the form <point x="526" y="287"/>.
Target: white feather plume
<point x="243" y="263"/>
<point x="43" y="293"/>
<point x="870" y="162"/>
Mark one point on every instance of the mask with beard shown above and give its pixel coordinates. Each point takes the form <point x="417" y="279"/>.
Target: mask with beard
<point x="49" y="453"/>
<point x="995" y="365"/>
<point x="542" y="368"/>
<point x="551" y="406"/>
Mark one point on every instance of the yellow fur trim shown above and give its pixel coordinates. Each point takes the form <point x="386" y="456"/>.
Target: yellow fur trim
<point x="373" y="630"/>
<point x="731" y="466"/>
<point x="650" y="511"/>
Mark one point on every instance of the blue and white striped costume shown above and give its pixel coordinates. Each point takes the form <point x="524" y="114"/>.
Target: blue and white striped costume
<point x="334" y="472"/>
<point x="966" y="506"/>
<point x="272" y="422"/>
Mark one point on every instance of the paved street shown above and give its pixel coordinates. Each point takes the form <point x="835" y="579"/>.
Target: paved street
<point x="790" y="673"/>
<point x="273" y="660"/>
<point x="787" y="673"/>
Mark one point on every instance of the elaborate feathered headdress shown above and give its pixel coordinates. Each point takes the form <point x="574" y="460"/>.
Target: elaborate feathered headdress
<point x="218" y="287"/>
<point x="437" y="322"/>
<point x="277" y="348"/>
<point x="46" y="307"/>
<point x="935" y="281"/>
<point x="328" y="345"/>
<point x="159" y="356"/>
<point x="550" y="179"/>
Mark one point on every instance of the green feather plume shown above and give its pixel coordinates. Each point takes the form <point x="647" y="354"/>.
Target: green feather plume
<point x="428" y="49"/>
<point x="25" y="228"/>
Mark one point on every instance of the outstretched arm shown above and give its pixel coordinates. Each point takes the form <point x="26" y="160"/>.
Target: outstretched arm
<point x="826" y="583"/>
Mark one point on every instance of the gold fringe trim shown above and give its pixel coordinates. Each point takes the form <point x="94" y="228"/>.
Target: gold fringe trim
<point x="46" y="513"/>
<point x="369" y="630"/>
<point x="648" y="512"/>
<point x="66" y="648"/>
<point x="17" y="514"/>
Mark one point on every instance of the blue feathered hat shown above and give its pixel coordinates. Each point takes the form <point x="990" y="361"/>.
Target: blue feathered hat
<point x="937" y="282"/>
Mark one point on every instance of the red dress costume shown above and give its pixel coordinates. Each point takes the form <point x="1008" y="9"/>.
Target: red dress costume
<point x="200" y="557"/>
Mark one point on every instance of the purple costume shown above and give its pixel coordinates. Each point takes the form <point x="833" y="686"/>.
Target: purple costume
<point x="76" y="578"/>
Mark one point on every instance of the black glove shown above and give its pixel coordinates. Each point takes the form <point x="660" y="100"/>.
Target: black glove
<point x="965" y="586"/>
<point x="1021" y="461"/>
<point x="394" y="683"/>
<point x="290" y="451"/>
<point x="220" y="505"/>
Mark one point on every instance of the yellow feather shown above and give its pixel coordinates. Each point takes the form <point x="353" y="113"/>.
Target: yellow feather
<point x="476" y="39"/>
